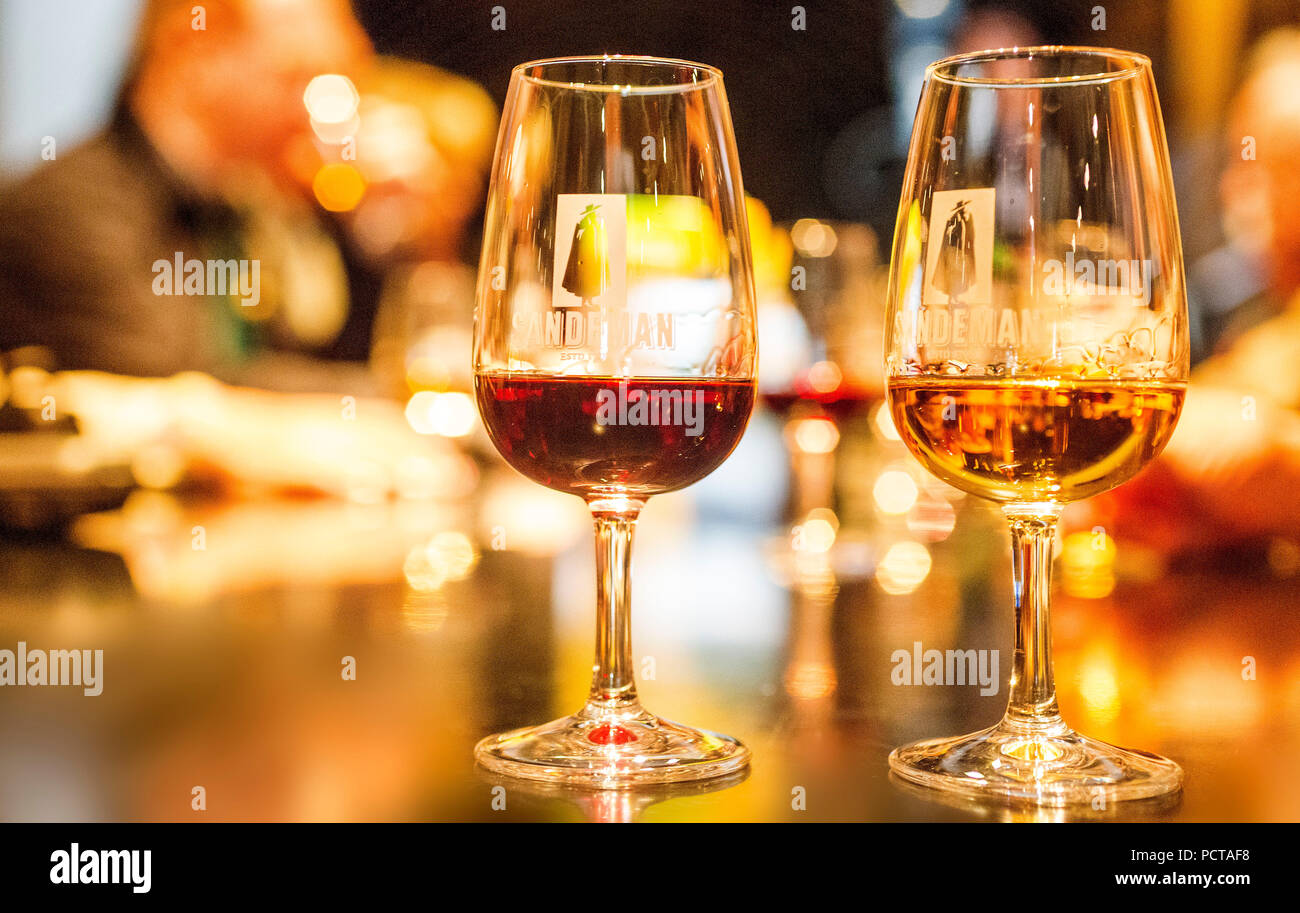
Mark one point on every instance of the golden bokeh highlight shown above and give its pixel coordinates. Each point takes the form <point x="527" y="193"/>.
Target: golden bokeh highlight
<point x="903" y="568"/>
<point x="338" y="187"/>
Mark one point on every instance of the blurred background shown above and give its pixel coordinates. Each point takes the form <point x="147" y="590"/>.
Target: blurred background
<point x="231" y="486"/>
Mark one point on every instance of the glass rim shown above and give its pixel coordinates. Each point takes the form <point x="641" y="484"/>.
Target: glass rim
<point x="1131" y="63"/>
<point x="713" y="74"/>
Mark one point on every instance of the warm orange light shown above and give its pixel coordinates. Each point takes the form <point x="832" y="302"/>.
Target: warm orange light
<point x="895" y="492"/>
<point x="394" y="143"/>
<point x="338" y="187"/>
<point x="445" y="414"/>
<point x="932" y="519"/>
<point x="816" y="435"/>
<point x="825" y="377"/>
<point x="813" y="239"/>
<point x="816" y="533"/>
<point x="810" y="681"/>
<point x="904" y="568"/>
<point x="1088" y="564"/>
<point x="331" y="99"/>
<point x="1098" y="682"/>
<point x="885" y="424"/>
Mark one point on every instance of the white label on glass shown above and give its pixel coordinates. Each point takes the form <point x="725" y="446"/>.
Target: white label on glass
<point x="959" y="256"/>
<point x="590" y="251"/>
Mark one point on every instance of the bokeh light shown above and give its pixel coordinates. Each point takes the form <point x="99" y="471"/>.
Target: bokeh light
<point x="815" y="435"/>
<point x="338" y="187"/>
<point x="443" y="414"/>
<point x="903" y="568"/>
<point x="331" y="98"/>
<point x="895" y="492"/>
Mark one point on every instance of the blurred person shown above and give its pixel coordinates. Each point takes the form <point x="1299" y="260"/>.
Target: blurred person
<point x="1231" y="474"/>
<point x="1255" y="273"/>
<point x="982" y="28"/>
<point x="197" y="164"/>
<point x="210" y="156"/>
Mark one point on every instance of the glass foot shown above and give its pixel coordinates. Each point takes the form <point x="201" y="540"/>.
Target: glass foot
<point x="1052" y="767"/>
<point x="605" y="749"/>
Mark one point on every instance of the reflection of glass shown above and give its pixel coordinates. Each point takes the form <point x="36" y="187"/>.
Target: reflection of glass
<point x="623" y="806"/>
<point x="810" y="678"/>
<point x="1036" y="353"/>
<point x="1156" y="808"/>
<point x="614" y="353"/>
<point x="812" y="375"/>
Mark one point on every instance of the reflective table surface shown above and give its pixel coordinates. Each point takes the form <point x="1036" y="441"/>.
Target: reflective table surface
<point x="311" y="659"/>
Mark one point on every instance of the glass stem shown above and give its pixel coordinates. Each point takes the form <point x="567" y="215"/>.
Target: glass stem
<point x="1032" y="702"/>
<point x="613" y="684"/>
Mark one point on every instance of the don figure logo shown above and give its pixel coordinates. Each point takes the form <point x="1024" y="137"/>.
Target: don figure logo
<point x="955" y="271"/>
<point x="586" y="275"/>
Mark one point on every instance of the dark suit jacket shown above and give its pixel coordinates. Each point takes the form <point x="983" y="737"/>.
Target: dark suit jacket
<point x="79" y="238"/>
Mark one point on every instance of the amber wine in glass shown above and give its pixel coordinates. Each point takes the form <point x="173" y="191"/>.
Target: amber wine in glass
<point x="1036" y="354"/>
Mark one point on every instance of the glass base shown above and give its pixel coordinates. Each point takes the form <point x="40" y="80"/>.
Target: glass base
<point x="1052" y="766"/>
<point x="611" y="749"/>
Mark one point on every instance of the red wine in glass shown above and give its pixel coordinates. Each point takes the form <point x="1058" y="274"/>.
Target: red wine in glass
<point x="637" y="436"/>
<point x="841" y="404"/>
<point x="627" y="295"/>
<point x="826" y="390"/>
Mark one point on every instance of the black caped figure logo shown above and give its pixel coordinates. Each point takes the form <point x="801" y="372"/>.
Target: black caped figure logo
<point x="586" y="275"/>
<point x="955" y="270"/>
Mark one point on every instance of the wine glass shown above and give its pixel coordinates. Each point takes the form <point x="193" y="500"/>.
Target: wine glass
<point x="1036" y="353"/>
<point x="614" y="353"/>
